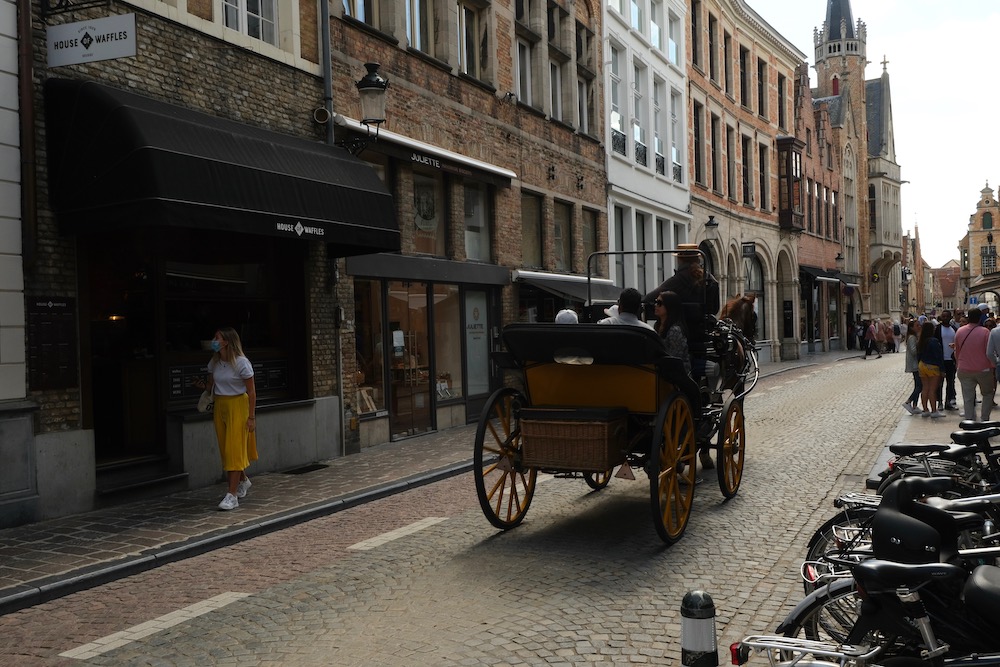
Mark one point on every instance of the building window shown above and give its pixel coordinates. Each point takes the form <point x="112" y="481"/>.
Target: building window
<point x="615" y="5"/>
<point x="676" y="138"/>
<point x="809" y="141"/>
<point x="640" y="258"/>
<point x="473" y="40"/>
<point x="714" y="139"/>
<point x="418" y="22"/>
<point x="555" y="90"/>
<point x="617" y="121"/>
<point x="727" y="62"/>
<point x="731" y="162"/>
<point x="447" y="342"/>
<point x="638" y="117"/>
<point x="836" y="215"/>
<point x="256" y="18"/>
<point x="988" y="259"/>
<point x="747" y="172"/>
<point x="478" y="215"/>
<point x="656" y="24"/>
<point x="673" y="40"/>
<point x="809" y="205"/>
<point x="762" y="87"/>
<point x="369" y="353"/>
<point x="987" y="220"/>
<point x="699" y="144"/>
<point x="635" y="14"/>
<point x="764" y="178"/>
<point x="523" y="71"/>
<point x="713" y="56"/>
<point x="662" y="243"/>
<point x="872" y="208"/>
<point x="781" y="101"/>
<point x="562" y="236"/>
<point x="365" y="11"/>
<point x="589" y="233"/>
<point x="696" y="33"/>
<point x="429" y="233"/>
<point x="659" y="127"/>
<point x="619" y="245"/>
<point x="531" y="230"/>
<point x="745" y="77"/>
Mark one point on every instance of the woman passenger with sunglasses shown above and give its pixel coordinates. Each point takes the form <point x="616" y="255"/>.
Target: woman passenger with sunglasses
<point x="670" y="325"/>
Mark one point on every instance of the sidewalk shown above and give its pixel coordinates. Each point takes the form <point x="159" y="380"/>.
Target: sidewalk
<point x="50" y="559"/>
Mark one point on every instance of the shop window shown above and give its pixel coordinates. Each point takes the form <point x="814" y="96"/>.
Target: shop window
<point x="369" y="334"/>
<point x="562" y="235"/>
<point x="531" y="230"/>
<point x="447" y="342"/>
<point x="478" y="213"/>
<point x="409" y="370"/>
<point x="256" y="18"/>
<point x="428" y="215"/>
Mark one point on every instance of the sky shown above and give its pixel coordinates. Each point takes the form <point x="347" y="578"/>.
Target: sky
<point x="942" y="78"/>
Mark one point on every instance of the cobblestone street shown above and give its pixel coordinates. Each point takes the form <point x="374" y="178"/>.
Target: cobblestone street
<point x="584" y="580"/>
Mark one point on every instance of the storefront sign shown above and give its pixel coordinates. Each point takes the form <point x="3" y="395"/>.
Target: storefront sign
<point x="89" y="41"/>
<point x="52" y="343"/>
<point x="749" y="249"/>
<point x="298" y="229"/>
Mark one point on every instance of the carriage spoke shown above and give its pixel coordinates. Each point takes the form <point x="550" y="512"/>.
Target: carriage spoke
<point x="504" y="489"/>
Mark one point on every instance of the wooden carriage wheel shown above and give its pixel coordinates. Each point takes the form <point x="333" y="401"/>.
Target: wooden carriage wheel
<point x="731" y="448"/>
<point x="504" y="487"/>
<point x="598" y="480"/>
<point x="672" y="468"/>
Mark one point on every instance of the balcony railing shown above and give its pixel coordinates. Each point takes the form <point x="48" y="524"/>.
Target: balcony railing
<point x="640" y="154"/>
<point x="678" y="172"/>
<point x="618" y="142"/>
<point x="661" y="165"/>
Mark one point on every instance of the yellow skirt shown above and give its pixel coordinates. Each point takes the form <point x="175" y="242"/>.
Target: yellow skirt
<point x="928" y="371"/>
<point x="237" y="445"/>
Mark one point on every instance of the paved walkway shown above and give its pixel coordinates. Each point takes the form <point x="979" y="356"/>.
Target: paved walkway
<point x="49" y="559"/>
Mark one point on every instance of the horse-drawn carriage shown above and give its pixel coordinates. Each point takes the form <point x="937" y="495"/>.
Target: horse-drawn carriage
<point x="596" y="397"/>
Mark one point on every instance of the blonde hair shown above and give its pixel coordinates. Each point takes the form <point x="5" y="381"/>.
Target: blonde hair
<point x="233" y="340"/>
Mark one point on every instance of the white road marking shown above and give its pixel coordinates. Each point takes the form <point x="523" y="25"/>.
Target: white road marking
<point x="385" y="538"/>
<point x="119" y="639"/>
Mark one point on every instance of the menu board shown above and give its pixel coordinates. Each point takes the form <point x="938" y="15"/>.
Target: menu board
<point x="52" y="343"/>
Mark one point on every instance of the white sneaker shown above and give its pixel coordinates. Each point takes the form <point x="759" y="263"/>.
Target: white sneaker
<point x="244" y="486"/>
<point x="937" y="414"/>
<point x="229" y="502"/>
<point x="925" y="413"/>
<point x="909" y="408"/>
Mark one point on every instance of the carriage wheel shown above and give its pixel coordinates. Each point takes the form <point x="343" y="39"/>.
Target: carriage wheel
<point x="598" y="480"/>
<point x="672" y="468"/>
<point x="732" y="448"/>
<point x="504" y="487"/>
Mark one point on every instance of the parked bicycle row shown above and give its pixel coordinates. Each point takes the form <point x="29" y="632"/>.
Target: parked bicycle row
<point x="905" y="577"/>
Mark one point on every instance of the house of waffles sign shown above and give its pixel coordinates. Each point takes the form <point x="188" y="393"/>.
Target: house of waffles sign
<point x="90" y="41"/>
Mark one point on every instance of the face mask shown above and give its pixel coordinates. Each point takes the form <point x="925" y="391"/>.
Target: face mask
<point x="216" y="346"/>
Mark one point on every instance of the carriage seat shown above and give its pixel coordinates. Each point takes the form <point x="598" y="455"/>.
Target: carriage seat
<point x="596" y="344"/>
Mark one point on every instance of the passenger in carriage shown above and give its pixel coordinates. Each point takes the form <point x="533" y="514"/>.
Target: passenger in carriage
<point x="671" y="327"/>
<point x="629" y="308"/>
<point x="699" y="293"/>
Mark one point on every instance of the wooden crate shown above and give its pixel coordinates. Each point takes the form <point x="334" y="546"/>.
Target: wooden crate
<point x="574" y="439"/>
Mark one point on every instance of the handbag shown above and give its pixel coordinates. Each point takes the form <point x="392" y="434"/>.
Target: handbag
<point x="206" y="402"/>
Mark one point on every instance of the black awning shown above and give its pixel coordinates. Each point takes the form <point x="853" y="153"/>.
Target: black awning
<point x="574" y="290"/>
<point x="820" y="274"/>
<point x="118" y="160"/>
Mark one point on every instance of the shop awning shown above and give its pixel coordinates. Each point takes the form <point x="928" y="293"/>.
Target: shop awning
<point x="121" y="161"/>
<point x="569" y="286"/>
<point x="820" y="274"/>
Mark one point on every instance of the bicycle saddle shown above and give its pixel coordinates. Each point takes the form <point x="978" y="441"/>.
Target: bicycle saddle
<point x="972" y="437"/>
<point x="892" y="574"/>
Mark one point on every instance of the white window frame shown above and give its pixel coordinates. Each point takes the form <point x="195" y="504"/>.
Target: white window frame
<point x="468" y="53"/>
<point x="419" y="24"/>
<point x="616" y="117"/>
<point x="555" y="90"/>
<point x="237" y="10"/>
<point x="656" y="24"/>
<point x="523" y="71"/>
<point x="638" y="104"/>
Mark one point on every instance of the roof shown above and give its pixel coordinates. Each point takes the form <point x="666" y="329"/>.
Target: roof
<point x="835" y="11"/>
<point x="874" y="113"/>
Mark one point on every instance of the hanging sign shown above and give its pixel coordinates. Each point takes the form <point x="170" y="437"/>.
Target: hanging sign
<point x="749" y="249"/>
<point x="89" y="41"/>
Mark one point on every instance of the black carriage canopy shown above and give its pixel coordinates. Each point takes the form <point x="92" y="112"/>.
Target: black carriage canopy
<point x="118" y="160"/>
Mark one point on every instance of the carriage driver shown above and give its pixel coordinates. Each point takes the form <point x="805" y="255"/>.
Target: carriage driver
<point x="699" y="293"/>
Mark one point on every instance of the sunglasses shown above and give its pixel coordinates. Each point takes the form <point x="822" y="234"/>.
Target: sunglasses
<point x="658" y="302"/>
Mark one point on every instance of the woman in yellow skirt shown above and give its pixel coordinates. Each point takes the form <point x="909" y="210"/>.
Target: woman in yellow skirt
<point x="230" y="379"/>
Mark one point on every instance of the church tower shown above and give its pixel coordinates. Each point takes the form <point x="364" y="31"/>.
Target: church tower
<point x="841" y="48"/>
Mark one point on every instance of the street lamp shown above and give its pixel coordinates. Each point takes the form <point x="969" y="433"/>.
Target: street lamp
<point x="371" y="90"/>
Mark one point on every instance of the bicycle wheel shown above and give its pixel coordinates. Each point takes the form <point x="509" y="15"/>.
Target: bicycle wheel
<point x="829" y="614"/>
<point x="846" y="531"/>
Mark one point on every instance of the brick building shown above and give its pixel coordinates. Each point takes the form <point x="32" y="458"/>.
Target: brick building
<point x="741" y="79"/>
<point x="193" y="184"/>
<point x="980" y="281"/>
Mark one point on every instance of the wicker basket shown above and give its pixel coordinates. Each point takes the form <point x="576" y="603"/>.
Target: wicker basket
<point x="573" y="439"/>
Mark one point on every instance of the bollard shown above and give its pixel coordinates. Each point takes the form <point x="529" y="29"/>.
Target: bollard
<point x="698" y="643"/>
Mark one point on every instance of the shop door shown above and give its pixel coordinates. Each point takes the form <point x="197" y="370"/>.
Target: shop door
<point x="409" y="370"/>
<point x="478" y="345"/>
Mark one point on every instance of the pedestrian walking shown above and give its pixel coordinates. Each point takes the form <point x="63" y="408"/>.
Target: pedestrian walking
<point x="871" y="342"/>
<point x="230" y="380"/>
<point x="945" y="332"/>
<point x="911" y="366"/>
<point x="880" y="336"/>
<point x="973" y="367"/>
<point x="897" y="336"/>
<point x="931" y="360"/>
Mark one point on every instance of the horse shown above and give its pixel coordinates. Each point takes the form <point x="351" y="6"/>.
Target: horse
<point x="740" y="310"/>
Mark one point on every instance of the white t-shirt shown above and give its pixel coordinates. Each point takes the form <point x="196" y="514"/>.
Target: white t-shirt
<point x="947" y="338"/>
<point x="230" y="378"/>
